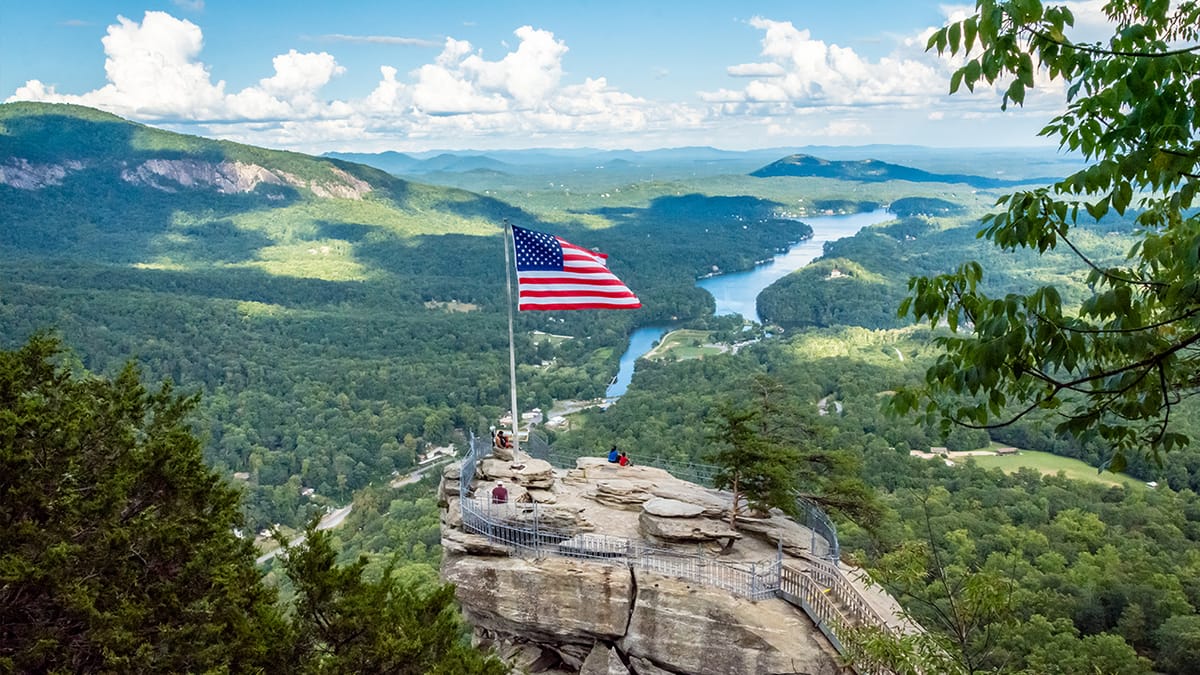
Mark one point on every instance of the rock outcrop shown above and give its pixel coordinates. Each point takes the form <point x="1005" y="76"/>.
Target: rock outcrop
<point x="174" y="175"/>
<point x="550" y="613"/>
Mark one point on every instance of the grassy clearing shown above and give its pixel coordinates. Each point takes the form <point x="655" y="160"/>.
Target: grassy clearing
<point x="684" y="344"/>
<point x="1050" y="464"/>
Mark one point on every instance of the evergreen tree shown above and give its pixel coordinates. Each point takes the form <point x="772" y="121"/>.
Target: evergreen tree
<point x="117" y="544"/>
<point x="759" y="473"/>
<point x="348" y="624"/>
<point x="118" y="550"/>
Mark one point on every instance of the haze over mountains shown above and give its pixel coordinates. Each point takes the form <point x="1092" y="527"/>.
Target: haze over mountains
<point x="937" y="164"/>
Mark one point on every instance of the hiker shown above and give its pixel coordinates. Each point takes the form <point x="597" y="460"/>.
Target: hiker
<point x="614" y="456"/>
<point x="624" y="460"/>
<point x="499" y="494"/>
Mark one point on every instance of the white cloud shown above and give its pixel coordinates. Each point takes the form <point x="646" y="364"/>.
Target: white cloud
<point x="756" y="70"/>
<point x="800" y="89"/>
<point x="804" y="71"/>
<point x="299" y="74"/>
<point x="379" y="39"/>
<point x="153" y="72"/>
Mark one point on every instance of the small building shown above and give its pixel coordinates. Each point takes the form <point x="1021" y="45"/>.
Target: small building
<point x="434" y="454"/>
<point x="1006" y="451"/>
<point x="940" y="450"/>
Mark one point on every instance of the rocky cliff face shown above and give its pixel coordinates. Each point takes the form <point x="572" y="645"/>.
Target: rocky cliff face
<point x="554" y="614"/>
<point x="173" y="175"/>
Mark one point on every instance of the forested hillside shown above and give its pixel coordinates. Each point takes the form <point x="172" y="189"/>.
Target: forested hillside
<point x="336" y="319"/>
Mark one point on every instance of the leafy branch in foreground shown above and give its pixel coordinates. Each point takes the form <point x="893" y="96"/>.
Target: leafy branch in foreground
<point x="1118" y="364"/>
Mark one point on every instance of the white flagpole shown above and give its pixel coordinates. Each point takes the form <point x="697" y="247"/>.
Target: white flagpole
<point x="512" y="352"/>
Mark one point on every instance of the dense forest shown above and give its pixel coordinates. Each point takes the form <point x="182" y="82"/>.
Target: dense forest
<point x="331" y="339"/>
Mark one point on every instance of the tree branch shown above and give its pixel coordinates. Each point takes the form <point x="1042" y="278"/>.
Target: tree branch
<point x="1099" y="51"/>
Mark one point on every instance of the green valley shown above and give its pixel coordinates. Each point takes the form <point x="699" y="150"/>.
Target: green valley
<point x="337" y="321"/>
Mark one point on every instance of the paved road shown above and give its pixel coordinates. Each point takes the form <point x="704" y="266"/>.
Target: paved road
<point x="330" y="521"/>
<point x="419" y="473"/>
<point x="335" y="518"/>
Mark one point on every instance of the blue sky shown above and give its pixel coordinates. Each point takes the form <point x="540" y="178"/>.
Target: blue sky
<point x="410" y="76"/>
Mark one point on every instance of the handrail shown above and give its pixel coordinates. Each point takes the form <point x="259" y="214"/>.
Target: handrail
<point x="824" y="540"/>
<point x="821" y="590"/>
<point x="518" y="527"/>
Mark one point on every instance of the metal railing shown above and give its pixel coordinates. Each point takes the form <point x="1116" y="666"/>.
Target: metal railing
<point x="518" y="527"/>
<point x="824" y="533"/>
<point x="821" y="590"/>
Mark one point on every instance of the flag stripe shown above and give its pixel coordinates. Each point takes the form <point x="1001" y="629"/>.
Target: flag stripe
<point x="554" y="274"/>
<point x="563" y="292"/>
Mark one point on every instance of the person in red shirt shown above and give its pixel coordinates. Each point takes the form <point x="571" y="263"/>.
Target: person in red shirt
<point x="499" y="494"/>
<point x="623" y="460"/>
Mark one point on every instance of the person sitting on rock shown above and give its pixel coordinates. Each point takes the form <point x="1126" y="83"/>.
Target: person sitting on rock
<point x="499" y="494"/>
<point x="623" y="459"/>
<point x="614" y="456"/>
<point x="502" y="440"/>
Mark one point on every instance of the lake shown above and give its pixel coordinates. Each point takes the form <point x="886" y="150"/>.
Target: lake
<point x="737" y="293"/>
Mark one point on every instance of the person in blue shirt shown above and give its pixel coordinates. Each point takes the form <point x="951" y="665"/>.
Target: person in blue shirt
<point x="613" y="455"/>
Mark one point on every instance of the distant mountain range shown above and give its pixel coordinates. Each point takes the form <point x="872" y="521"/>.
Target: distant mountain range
<point x="875" y="171"/>
<point x="78" y="182"/>
<point x="996" y="167"/>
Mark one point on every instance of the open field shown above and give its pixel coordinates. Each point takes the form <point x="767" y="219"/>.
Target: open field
<point x="1050" y="464"/>
<point x="684" y="344"/>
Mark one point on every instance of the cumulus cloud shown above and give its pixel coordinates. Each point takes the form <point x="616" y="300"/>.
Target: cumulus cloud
<point x="804" y="71"/>
<point x="154" y="72"/>
<point x="800" y="88"/>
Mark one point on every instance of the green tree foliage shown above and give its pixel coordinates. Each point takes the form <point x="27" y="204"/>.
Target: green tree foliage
<point x="766" y="456"/>
<point x="758" y="472"/>
<point x="1086" y="569"/>
<point x="348" y="624"/>
<point x="1117" y="364"/>
<point x="118" y="550"/>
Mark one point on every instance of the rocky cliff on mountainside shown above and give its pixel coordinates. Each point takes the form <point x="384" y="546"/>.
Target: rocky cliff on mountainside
<point x="551" y="614"/>
<point x="172" y="175"/>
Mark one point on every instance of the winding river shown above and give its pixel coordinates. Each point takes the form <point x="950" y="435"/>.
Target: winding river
<point x="737" y="293"/>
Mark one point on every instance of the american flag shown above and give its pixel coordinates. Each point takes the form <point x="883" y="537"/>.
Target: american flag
<point x="553" y="273"/>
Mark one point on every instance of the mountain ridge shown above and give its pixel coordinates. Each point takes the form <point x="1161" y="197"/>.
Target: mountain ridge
<point x="875" y="171"/>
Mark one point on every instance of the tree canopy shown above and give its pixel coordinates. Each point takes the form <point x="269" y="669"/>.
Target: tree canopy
<point x="119" y="550"/>
<point x="1116" y="365"/>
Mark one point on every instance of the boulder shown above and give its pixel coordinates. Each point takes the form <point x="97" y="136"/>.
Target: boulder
<point x="714" y="505"/>
<point x="543" y="496"/>
<point x="457" y="542"/>
<point x="530" y="473"/>
<point x="452" y="515"/>
<point x="603" y="660"/>
<point x="623" y="493"/>
<point x="646" y="667"/>
<point x="671" y="508"/>
<point x="685" y="529"/>
<point x="796" y="538"/>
